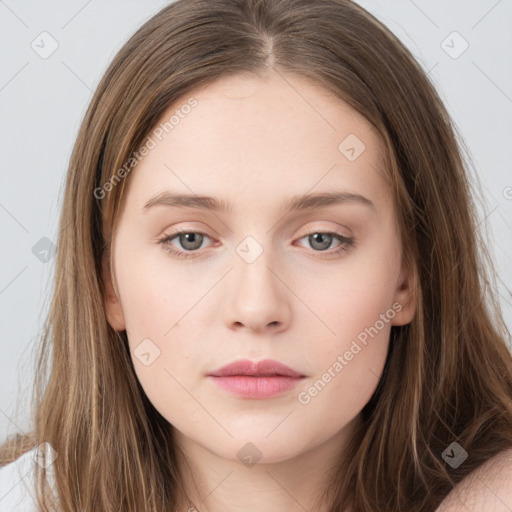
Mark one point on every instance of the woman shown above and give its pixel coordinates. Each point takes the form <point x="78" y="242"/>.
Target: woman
<point x="269" y="289"/>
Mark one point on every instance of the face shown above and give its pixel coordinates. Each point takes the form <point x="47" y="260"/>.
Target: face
<point x="316" y="286"/>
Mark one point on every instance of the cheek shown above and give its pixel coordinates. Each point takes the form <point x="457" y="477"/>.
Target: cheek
<point x="349" y="359"/>
<point x="158" y="306"/>
<point x="349" y="363"/>
<point x="336" y="395"/>
<point x="157" y="295"/>
<point x="159" y="313"/>
<point x="352" y="296"/>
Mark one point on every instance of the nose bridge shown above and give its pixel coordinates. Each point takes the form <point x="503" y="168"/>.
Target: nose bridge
<point x="256" y="297"/>
<point x="252" y="263"/>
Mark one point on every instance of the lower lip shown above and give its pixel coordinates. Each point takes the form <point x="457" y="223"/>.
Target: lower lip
<point x="256" y="387"/>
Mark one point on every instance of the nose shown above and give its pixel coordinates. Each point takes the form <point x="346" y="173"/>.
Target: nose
<point x="258" y="297"/>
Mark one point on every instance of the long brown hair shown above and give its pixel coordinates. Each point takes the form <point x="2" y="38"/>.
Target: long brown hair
<point x="448" y="375"/>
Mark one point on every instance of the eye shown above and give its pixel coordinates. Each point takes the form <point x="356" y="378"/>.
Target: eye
<point x="191" y="241"/>
<point x="322" y="240"/>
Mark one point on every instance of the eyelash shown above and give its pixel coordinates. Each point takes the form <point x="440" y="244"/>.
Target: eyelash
<point x="346" y="243"/>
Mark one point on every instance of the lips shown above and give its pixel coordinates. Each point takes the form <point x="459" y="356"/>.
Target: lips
<point x="265" y="368"/>
<point x="256" y="380"/>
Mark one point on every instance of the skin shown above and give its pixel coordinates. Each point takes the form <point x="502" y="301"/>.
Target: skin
<point x="487" y="489"/>
<point x="256" y="142"/>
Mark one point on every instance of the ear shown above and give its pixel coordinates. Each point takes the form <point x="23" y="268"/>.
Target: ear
<point x="405" y="297"/>
<point x="113" y="306"/>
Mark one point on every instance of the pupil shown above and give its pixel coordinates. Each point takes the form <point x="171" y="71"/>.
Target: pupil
<point x="323" y="245"/>
<point x="189" y="238"/>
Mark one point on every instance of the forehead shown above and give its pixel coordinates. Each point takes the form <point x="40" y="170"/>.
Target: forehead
<point x="246" y="135"/>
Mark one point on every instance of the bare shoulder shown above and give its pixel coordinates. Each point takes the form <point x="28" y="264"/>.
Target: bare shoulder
<point x="487" y="489"/>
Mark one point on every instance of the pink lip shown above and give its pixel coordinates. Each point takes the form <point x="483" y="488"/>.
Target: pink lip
<point x="261" y="379"/>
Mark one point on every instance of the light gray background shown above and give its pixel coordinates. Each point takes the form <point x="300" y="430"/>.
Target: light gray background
<point x="42" y="102"/>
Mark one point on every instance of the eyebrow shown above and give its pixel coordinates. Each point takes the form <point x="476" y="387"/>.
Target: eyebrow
<point x="295" y="203"/>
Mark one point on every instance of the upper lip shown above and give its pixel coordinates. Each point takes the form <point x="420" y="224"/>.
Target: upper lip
<point x="265" y="368"/>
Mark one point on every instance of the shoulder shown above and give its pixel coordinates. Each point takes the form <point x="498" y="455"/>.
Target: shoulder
<point x="487" y="489"/>
<point x="17" y="484"/>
